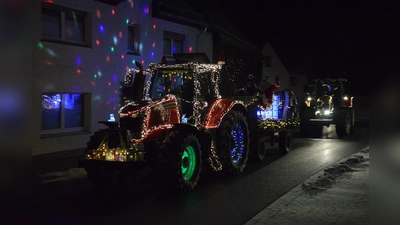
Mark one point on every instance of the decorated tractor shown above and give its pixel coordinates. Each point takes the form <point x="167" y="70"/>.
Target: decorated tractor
<point x="326" y="102"/>
<point x="175" y="120"/>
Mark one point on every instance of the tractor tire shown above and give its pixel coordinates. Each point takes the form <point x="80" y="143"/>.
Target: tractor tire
<point x="285" y="142"/>
<point x="258" y="148"/>
<point x="233" y="142"/>
<point x="344" y="123"/>
<point x="181" y="161"/>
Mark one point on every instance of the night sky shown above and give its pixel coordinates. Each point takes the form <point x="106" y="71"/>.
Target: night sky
<point x="349" y="41"/>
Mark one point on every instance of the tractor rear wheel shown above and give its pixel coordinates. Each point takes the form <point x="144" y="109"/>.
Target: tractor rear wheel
<point x="233" y="142"/>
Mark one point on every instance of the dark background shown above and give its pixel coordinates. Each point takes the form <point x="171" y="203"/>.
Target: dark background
<point x="344" y="39"/>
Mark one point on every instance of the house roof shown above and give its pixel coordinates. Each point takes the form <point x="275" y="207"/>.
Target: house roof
<point x="221" y="22"/>
<point x="178" y="11"/>
<point x="203" y="14"/>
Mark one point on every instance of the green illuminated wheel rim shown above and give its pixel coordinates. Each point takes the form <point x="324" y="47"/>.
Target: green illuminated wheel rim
<point x="237" y="144"/>
<point x="180" y="160"/>
<point x="189" y="163"/>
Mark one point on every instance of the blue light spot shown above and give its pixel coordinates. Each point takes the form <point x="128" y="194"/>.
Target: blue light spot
<point x="114" y="77"/>
<point x="115" y="40"/>
<point x="133" y="61"/>
<point x="78" y="61"/>
<point x="101" y="28"/>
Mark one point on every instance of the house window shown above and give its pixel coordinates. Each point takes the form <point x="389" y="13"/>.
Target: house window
<point x="65" y="25"/>
<point x="63" y="112"/>
<point x="133" y="39"/>
<point x="173" y="43"/>
<point x="267" y="61"/>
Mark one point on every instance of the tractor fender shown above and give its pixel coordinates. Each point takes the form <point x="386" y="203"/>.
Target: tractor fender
<point x="219" y="109"/>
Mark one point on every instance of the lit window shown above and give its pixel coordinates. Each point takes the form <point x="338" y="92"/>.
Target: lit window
<point x="173" y="43"/>
<point x="63" y="112"/>
<point x="61" y="24"/>
<point x="133" y="39"/>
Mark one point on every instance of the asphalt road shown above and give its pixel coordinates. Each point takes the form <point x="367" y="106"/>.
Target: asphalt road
<point x="67" y="197"/>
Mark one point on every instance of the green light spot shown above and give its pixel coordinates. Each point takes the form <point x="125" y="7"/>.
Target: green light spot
<point x="127" y="21"/>
<point x="112" y="49"/>
<point x="133" y="61"/>
<point x="95" y="76"/>
<point x="40" y="45"/>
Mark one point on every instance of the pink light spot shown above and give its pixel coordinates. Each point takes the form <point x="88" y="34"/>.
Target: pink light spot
<point x="120" y="34"/>
<point x="93" y="83"/>
<point x="48" y="62"/>
<point x="113" y="11"/>
<point x="109" y="83"/>
<point x="97" y="42"/>
<point x="190" y="49"/>
<point x="142" y="61"/>
<point x="153" y="45"/>
<point x="78" y="71"/>
<point x="132" y="4"/>
<point x="108" y="58"/>
<point x="154" y="26"/>
<point x="122" y="56"/>
<point x="98" y="13"/>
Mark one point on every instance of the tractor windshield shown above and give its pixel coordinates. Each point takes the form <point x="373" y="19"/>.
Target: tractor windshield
<point x="170" y="82"/>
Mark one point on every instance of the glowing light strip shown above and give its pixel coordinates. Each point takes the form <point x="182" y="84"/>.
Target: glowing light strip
<point x="225" y="110"/>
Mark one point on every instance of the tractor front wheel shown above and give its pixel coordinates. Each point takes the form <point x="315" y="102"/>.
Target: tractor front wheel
<point x="182" y="160"/>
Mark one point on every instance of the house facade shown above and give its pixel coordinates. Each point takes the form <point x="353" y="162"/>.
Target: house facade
<point x="82" y="49"/>
<point x="291" y="78"/>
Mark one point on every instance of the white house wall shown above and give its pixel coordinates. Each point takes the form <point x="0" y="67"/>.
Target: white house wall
<point x="96" y="70"/>
<point x="276" y="69"/>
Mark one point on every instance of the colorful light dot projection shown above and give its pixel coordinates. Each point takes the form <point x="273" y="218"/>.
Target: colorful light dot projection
<point x="98" y="13"/>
